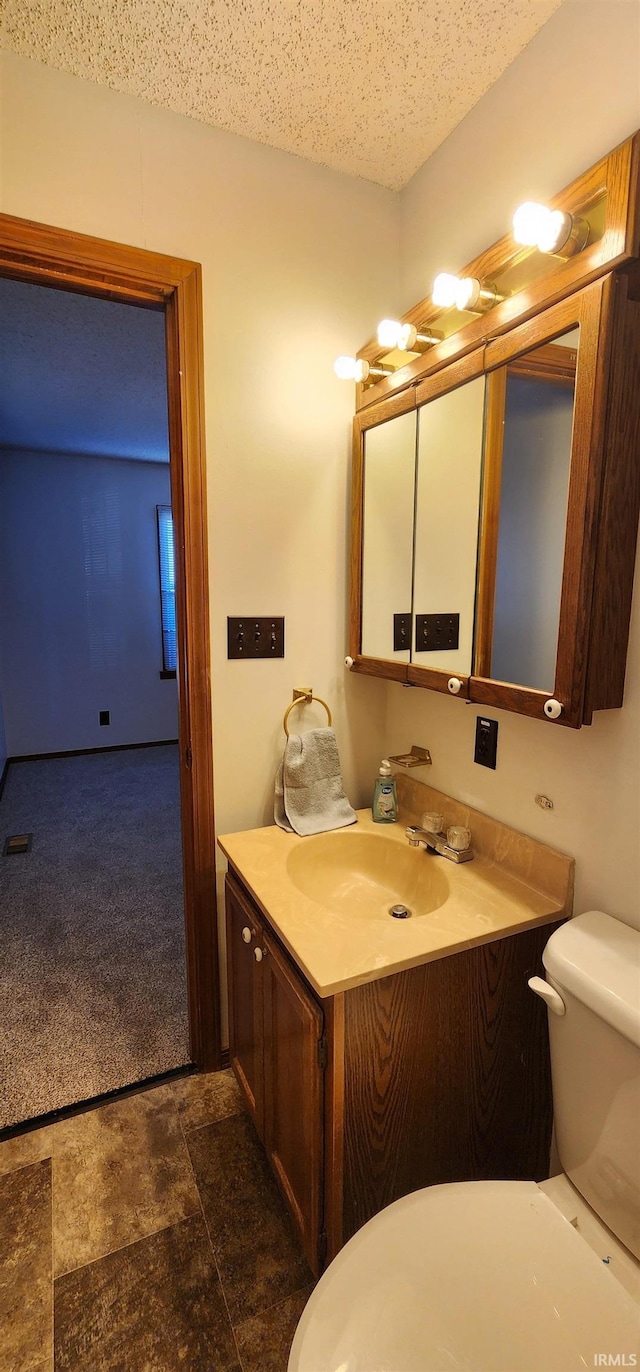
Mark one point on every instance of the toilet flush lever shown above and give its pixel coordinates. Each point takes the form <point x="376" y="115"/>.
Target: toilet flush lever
<point x="548" y="994"/>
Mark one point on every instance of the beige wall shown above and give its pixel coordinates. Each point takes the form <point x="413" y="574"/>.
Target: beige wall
<point x="570" y="97"/>
<point x="288" y="284"/>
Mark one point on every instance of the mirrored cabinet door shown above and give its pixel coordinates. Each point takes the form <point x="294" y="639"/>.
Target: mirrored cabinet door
<point x="530" y="462"/>
<point x="546" y="456"/>
<point x="449" y="466"/>
<point x="389" y="467"/>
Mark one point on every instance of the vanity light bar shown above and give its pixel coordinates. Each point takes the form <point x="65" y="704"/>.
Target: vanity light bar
<point x="550" y="231"/>
<point x="534" y="226"/>
<point x="358" y="369"/>
<point x="392" y="333"/>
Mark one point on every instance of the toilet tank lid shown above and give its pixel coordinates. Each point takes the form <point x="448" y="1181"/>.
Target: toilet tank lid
<point x="597" y="959"/>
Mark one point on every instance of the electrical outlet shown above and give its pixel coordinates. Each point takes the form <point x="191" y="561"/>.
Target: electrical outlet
<point x="486" y="748"/>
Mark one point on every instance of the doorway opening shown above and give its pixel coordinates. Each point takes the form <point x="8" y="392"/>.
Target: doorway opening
<point x="37" y="254"/>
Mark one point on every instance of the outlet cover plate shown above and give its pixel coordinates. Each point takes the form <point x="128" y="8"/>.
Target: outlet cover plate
<point x="486" y="749"/>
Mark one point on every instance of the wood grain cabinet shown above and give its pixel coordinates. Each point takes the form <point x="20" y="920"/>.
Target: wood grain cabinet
<point x="436" y="1074"/>
<point x="496" y="483"/>
<point x="503" y="492"/>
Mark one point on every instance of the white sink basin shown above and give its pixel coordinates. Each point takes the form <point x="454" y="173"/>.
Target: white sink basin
<point x="365" y="875"/>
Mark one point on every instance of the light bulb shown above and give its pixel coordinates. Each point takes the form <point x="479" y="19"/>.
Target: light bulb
<point x="554" y="231"/>
<point x="536" y="226"/>
<point x="444" y="290"/>
<point x="407" y="338"/>
<point x="528" y="222"/>
<point x="467" y="293"/>
<point x="389" y="332"/>
<point x="351" y="368"/>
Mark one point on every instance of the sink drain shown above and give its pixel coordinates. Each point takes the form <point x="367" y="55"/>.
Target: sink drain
<point x="400" y="912"/>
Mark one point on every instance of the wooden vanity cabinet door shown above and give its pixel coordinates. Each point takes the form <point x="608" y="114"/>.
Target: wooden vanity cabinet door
<point x="245" y="1000"/>
<point x="293" y="1094"/>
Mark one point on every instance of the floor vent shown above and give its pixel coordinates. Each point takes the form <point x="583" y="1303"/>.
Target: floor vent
<point x="17" y="843"/>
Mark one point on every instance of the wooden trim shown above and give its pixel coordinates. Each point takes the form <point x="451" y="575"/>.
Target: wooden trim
<point x="86" y="752"/>
<point x="489" y="520"/>
<point x="52" y="256"/>
<point x="613" y="180"/>
<point x="502" y="695"/>
<point x="465" y="369"/>
<point x="550" y="363"/>
<point x="436" y="679"/>
<point x="356" y="552"/>
<point x="380" y="667"/>
<point x="615" y="554"/>
<point x="387" y="409"/>
<point x="334" y="1124"/>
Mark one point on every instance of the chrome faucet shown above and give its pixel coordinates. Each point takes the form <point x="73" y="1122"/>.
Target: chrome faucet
<point x="436" y="843"/>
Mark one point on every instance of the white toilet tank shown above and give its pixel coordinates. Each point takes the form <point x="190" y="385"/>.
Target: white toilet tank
<point x="593" y="961"/>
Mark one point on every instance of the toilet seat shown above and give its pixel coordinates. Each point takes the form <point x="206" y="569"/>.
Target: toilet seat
<point x="471" y="1276"/>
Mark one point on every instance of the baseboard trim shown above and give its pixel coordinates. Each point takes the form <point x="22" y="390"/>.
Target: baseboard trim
<point x="85" y="752"/>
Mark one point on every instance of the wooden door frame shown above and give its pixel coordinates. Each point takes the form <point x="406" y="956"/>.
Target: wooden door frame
<point x="48" y="256"/>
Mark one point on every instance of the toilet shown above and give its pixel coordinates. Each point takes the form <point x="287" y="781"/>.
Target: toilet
<point x="500" y="1276"/>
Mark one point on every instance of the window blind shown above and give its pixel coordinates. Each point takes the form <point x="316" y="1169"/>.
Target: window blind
<point x="166" y="552"/>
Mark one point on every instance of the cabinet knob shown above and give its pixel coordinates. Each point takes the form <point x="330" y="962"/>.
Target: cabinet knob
<point x="455" y="685"/>
<point x="348" y="662"/>
<point x="246" y="934"/>
<point x="258" y="954"/>
<point x="552" y="709"/>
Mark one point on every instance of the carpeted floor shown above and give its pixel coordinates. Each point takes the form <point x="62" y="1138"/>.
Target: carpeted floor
<point x="92" y="961"/>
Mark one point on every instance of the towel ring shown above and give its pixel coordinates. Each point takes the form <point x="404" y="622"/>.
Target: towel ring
<point x="304" y="698"/>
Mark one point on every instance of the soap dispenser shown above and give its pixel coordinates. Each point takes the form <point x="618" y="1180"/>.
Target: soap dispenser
<point x="385" y="796"/>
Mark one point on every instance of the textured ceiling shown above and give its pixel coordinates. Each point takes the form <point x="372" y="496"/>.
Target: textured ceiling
<point x="81" y="375"/>
<point x="360" y="85"/>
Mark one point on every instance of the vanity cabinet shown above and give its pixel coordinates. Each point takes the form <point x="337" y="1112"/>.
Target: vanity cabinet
<point x="435" y="1074"/>
<point x="275" y="1048"/>
<point x="514" y="518"/>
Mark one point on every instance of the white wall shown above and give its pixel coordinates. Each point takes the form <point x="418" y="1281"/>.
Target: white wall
<point x="570" y="97"/>
<point x="80" y="625"/>
<point x="289" y="282"/>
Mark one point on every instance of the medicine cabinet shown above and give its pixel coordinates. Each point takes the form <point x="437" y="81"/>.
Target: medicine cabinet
<point x="495" y="513"/>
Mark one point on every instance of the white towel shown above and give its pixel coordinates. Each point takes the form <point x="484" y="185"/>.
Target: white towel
<point x="309" y="794"/>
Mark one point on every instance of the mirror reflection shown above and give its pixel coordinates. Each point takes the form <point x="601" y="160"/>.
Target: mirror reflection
<point x="450" y="443"/>
<point x="527" y="468"/>
<point x="387" y="553"/>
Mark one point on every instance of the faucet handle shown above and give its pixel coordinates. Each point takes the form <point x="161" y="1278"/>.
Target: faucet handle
<point x="458" y="838"/>
<point x="433" y="822"/>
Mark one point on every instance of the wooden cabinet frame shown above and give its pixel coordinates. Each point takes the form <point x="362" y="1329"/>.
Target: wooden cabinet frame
<point x="602" y="508"/>
<point x="589" y="310"/>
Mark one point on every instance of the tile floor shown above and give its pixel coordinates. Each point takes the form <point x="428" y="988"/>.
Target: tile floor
<point x="147" y="1235"/>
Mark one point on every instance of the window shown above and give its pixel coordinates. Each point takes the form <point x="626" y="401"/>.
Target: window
<point x="166" y="553"/>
